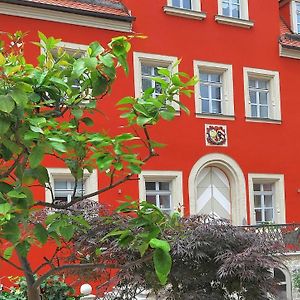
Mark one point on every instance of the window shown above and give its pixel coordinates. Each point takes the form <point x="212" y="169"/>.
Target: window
<point x="214" y="92"/>
<point x="264" y="202"/>
<point x="262" y="95"/>
<point x="231" y="8"/>
<point x="159" y="194"/>
<point x="185" y="8"/>
<point x="64" y="189"/>
<point x="162" y="188"/>
<point x="145" y="67"/>
<point x="62" y="184"/>
<point x="284" y="283"/>
<point x="295" y="13"/>
<point x="234" y="12"/>
<point x="187" y="4"/>
<point x="267" y="199"/>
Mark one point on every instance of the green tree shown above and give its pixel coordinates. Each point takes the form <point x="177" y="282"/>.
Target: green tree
<point x="43" y="113"/>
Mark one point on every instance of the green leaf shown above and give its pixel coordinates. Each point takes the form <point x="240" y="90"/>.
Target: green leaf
<point x="5" y="208"/>
<point x="160" y="244"/>
<point x="8" y="252"/>
<point x="51" y="218"/>
<point x="19" y="96"/>
<point x="87" y="121"/>
<point x="7" y="104"/>
<point x="41" y="233"/>
<point x="11" y="231"/>
<point x="162" y="264"/>
<point x="36" y="129"/>
<point x="134" y="169"/>
<point x="23" y="248"/>
<point x="36" y="156"/>
<point x="126" y="100"/>
<point x="67" y="232"/>
<point x="60" y="147"/>
<point x="167" y="115"/>
<point x="90" y="63"/>
<point x="77" y="113"/>
<point x="2" y="59"/>
<point x="141" y="120"/>
<point x="4" y="126"/>
<point x="107" y="60"/>
<point x="95" y="49"/>
<point x="78" y="68"/>
<point x="16" y="194"/>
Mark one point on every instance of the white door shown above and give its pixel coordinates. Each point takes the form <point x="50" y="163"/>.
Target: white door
<point x="213" y="193"/>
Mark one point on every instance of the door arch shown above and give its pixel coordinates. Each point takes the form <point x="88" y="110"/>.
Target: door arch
<point x="235" y="177"/>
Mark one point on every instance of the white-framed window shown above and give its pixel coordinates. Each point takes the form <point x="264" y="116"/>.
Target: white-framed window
<point x="262" y="95"/>
<point x="62" y="184"/>
<point x="146" y="66"/>
<point x="234" y="12"/>
<point x="162" y="188"/>
<point x="267" y="198"/>
<point x="295" y="16"/>
<point x="186" y="4"/>
<point x="284" y="283"/>
<point x="214" y="92"/>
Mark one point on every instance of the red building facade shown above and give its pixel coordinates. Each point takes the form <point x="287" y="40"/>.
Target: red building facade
<point x="237" y="154"/>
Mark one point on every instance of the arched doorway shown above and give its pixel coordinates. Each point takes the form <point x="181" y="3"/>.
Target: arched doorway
<point x="217" y="186"/>
<point x="213" y="193"/>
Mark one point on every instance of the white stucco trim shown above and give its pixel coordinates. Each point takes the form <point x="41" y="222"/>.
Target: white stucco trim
<point x="64" y="17"/>
<point x="236" y="179"/>
<point x="91" y="181"/>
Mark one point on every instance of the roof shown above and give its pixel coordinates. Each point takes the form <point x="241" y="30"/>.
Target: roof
<point x="287" y="38"/>
<point x="102" y="8"/>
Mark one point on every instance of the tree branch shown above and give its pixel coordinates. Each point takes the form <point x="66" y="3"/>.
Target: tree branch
<point x="11" y="263"/>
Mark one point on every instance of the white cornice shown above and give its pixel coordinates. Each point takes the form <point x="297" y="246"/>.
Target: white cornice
<point x="185" y="13"/>
<point x="234" y="21"/>
<point x="290" y="53"/>
<point x="64" y="17"/>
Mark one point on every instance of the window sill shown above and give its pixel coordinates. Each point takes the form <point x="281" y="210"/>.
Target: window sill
<point x="185" y="13"/>
<point x="289" y="52"/>
<point x="234" y="21"/>
<point x="262" y="120"/>
<point x="215" y="116"/>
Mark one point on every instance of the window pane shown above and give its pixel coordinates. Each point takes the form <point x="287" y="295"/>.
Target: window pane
<point x="262" y="84"/>
<point x="251" y="83"/>
<point x="151" y="199"/>
<point x="256" y="187"/>
<point x="252" y="96"/>
<point x="176" y="3"/>
<point x="269" y="215"/>
<point x="165" y="201"/>
<point x="215" y="77"/>
<point x="216" y="107"/>
<point x="158" y="89"/>
<point x="257" y="201"/>
<point x="258" y="215"/>
<point x="225" y="9"/>
<point x="264" y="111"/>
<point x="146" y="84"/>
<point x="279" y="275"/>
<point x="203" y="77"/>
<point x="204" y="91"/>
<point x="150" y="186"/>
<point x="146" y="70"/>
<point x="268" y="201"/>
<point x="215" y="92"/>
<point x="60" y="184"/>
<point x="205" y="106"/>
<point x="164" y="186"/>
<point x="268" y="187"/>
<point x="187" y="4"/>
<point x="253" y="111"/>
<point x="236" y="1"/>
<point x="235" y="11"/>
<point x="263" y="98"/>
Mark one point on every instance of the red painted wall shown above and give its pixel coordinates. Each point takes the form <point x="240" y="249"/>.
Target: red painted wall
<point x="256" y="147"/>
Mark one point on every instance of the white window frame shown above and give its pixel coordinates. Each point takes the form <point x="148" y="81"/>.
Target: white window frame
<point x="193" y="13"/>
<point x="274" y="94"/>
<point x="227" y="89"/>
<point x="293" y="13"/>
<point x="243" y="21"/>
<point x="155" y="60"/>
<point x="90" y="181"/>
<point x="175" y="179"/>
<point x="279" y="195"/>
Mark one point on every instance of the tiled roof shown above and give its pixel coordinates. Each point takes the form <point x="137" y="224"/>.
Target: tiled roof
<point x="287" y="38"/>
<point x="109" y="7"/>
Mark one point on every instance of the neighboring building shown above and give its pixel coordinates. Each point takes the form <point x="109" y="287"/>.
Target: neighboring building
<point x="237" y="154"/>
